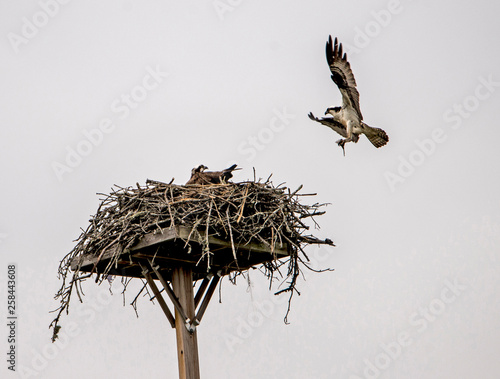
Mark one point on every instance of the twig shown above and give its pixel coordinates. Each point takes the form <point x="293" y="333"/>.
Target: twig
<point x="242" y="213"/>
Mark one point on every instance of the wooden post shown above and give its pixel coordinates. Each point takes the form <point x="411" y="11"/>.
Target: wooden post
<point x="187" y="344"/>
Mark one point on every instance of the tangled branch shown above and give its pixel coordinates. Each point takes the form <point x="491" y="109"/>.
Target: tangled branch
<point x="242" y="213"/>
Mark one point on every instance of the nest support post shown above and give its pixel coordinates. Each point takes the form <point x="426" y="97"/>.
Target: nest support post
<point x="158" y="296"/>
<point x="167" y="247"/>
<point x="180" y="290"/>
<point x="187" y="344"/>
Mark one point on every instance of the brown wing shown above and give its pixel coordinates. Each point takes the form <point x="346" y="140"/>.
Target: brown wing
<point x="198" y="178"/>
<point x="331" y="123"/>
<point x="342" y="74"/>
<point x="218" y="177"/>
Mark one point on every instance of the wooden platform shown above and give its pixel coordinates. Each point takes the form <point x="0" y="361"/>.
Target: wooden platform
<point x="178" y="246"/>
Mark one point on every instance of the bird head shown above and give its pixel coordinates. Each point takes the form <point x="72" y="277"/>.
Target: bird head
<point x="332" y="111"/>
<point x="200" y="168"/>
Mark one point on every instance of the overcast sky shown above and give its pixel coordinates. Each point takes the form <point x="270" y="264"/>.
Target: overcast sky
<point x="95" y="94"/>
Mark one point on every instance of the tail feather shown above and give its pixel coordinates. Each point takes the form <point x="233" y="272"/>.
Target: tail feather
<point x="376" y="136"/>
<point x="233" y="167"/>
<point x="228" y="173"/>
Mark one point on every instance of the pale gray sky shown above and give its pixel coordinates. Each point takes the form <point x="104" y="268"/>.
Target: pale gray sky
<point x="99" y="94"/>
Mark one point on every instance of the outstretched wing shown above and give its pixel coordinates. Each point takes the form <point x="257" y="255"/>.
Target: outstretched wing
<point x="342" y="74"/>
<point x="331" y="123"/>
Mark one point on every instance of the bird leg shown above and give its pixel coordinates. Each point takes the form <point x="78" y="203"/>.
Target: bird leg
<point x="342" y="142"/>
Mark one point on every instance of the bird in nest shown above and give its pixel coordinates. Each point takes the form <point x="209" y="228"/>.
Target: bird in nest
<point x="200" y="176"/>
<point x="346" y="120"/>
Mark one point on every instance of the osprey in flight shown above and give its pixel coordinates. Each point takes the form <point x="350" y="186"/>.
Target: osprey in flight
<point x="347" y="119"/>
<point x="200" y="176"/>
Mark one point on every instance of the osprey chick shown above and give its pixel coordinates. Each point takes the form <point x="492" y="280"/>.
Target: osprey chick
<point x="347" y="119"/>
<point x="200" y="176"/>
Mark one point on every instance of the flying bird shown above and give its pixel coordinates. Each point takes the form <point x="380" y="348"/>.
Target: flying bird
<point x="200" y="176"/>
<point x="347" y="119"/>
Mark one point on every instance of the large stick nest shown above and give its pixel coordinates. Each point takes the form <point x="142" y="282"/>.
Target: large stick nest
<point x="242" y="213"/>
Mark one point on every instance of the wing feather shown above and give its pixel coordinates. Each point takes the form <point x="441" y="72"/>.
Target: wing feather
<point x="331" y="123"/>
<point x="342" y="74"/>
<point x="378" y="137"/>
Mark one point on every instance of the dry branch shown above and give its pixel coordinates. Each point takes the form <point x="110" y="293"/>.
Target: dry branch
<point x="242" y="213"/>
